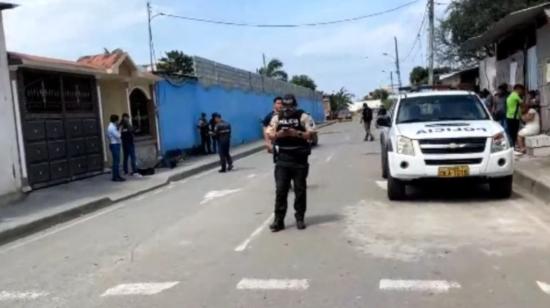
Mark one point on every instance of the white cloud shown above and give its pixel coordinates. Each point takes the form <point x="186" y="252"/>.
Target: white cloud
<point x="66" y="28"/>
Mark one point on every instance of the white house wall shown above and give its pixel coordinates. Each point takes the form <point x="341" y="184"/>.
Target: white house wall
<point x="9" y="158"/>
<point x="543" y="58"/>
<point x="504" y="69"/>
<point x="488" y="74"/>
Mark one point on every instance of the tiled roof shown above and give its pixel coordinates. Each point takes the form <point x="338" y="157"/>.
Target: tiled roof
<point x="21" y="58"/>
<point x="105" y="61"/>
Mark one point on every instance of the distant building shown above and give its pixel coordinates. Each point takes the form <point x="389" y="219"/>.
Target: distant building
<point x="467" y="79"/>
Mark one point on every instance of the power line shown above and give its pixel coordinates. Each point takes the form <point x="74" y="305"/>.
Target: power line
<point x="418" y="35"/>
<point x="314" y="24"/>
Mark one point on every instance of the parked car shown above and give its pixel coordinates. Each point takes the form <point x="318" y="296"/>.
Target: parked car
<point x="345" y="115"/>
<point x="442" y="135"/>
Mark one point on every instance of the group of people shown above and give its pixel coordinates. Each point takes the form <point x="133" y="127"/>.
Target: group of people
<point x="517" y="111"/>
<point x="120" y="134"/>
<point x="216" y="137"/>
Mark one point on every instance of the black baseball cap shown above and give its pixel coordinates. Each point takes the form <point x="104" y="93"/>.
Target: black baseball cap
<point x="290" y="99"/>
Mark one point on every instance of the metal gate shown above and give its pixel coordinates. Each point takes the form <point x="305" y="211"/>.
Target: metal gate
<point x="61" y="126"/>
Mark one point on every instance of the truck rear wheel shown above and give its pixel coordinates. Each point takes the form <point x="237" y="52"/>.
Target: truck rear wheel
<point x="501" y="188"/>
<point x="397" y="190"/>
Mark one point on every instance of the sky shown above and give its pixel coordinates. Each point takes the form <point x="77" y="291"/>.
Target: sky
<point x="346" y="55"/>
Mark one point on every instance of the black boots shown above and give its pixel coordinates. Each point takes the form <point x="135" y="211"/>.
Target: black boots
<point x="277" y="225"/>
<point x="300" y="225"/>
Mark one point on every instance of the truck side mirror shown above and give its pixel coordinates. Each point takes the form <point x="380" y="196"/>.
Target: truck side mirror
<point x="383" y="121"/>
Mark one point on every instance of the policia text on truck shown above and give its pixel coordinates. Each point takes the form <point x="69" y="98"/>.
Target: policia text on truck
<point x="291" y="132"/>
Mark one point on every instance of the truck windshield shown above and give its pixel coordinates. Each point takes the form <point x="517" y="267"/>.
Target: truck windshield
<point x="441" y="108"/>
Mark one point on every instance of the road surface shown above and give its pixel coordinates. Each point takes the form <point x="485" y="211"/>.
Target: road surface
<point x="204" y="242"/>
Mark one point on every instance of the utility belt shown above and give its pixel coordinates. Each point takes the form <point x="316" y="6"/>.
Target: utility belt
<point x="293" y="154"/>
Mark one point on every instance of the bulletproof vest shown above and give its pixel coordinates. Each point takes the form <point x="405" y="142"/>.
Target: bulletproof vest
<point x="293" y="121"/>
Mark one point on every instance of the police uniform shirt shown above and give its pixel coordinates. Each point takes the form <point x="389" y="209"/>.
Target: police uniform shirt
<point x="305" y="120"/>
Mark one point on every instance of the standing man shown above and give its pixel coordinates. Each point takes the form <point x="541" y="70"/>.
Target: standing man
<point x="128" y="147"/>
<point x="513" y="112"/>
<point x="204" y="132"/>
<point x="277" y="105"/>
<point x="212" y="126"/>
<point x="113" y="134"/>
<point x="499" y="112"/>
<point x="222" y="131"/>
<point x="366" y="120"/>
<point x="291" y="131"/>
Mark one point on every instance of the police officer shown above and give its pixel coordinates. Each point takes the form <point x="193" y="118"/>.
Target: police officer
<point x="222" y="132"/>
<point x="291" y="131"/>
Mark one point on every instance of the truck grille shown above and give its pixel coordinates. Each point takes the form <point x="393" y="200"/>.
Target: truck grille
<point x="453" y="145"/>
<point x="448" y="162"/>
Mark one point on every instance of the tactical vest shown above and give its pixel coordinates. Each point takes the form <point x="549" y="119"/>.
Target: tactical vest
<point x="292" y="143"/>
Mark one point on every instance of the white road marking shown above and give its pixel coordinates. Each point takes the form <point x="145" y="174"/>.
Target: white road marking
<point x="532" y="217"/>
<point x="150" y="288"/>
<point x="544" y="287"/>
<point x="273" y="284"/>
<point x="141" y="198"/>
<point x="21" y="295"/>
<point x="242" y="247"/>
<point x="158" y="191"/>
<point x="76" y="222"/>
<point x="382" y="184"/>
<point x="171" y="185"/>
<point x="329" y="159"/>
<point x="251" y="176"/>
<point x="434" y="286"/>
<point x="215" y="194"/>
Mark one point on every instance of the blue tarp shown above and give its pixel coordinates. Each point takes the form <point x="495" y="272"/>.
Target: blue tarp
<point x="180" y="106"/>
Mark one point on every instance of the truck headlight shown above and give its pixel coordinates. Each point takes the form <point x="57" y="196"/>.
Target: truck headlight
<point x="499" y="143"/>
<point x="405" y="146"/>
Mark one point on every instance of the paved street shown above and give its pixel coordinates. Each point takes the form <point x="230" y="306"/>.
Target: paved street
<point x="204" y="242"/>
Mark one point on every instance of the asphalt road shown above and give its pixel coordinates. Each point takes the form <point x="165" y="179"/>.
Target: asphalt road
<point x="204" y="242"/>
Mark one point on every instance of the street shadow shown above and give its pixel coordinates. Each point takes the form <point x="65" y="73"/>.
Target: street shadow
<point x="452" y="192"/>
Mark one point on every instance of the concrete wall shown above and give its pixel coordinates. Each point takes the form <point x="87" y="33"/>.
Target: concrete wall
<point x="180" y="106"/>
<point x="503" y="69"/>
<point x="10" y="181"/>
<point x="543" y="57"/>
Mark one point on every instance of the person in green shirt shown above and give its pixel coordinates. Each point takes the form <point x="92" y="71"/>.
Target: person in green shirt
<point x="513" y="112"/>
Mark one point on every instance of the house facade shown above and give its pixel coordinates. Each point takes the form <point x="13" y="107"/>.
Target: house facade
<point x="521" y="54"/>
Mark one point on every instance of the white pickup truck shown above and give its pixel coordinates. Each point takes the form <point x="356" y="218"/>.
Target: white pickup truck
<point x="442" y="135"/>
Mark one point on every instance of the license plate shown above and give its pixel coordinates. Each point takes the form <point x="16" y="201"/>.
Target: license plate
<point x="454" y="172"/>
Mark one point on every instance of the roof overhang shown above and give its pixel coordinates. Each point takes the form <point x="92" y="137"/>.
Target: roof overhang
<point x="7" y="6"/>
<point x="501" y="28"/>
<point x="457" y="73"/>
<point x="26" y="61"/>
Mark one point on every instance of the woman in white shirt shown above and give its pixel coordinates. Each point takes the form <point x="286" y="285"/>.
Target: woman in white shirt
<point x="532" y="126"/>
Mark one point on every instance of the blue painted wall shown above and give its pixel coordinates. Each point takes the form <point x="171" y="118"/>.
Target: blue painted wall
<point x="180" y="106"/>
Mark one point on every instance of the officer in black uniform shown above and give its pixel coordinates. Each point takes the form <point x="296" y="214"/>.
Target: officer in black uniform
<point x="222" y="132"/>
<point x="291" y="131"/>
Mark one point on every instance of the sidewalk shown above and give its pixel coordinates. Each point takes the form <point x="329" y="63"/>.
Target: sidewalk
<point x="46" y="207"/>
<point x="43" y="208"/>
<point x="533" y="176"/>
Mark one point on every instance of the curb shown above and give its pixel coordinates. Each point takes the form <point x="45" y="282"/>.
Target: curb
<point x="532" y="186"/>
<point x="86" y="208"/>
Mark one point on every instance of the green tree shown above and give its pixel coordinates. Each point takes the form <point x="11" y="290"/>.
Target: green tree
<point x="176" y="63"/>
<point x="469" y="18"/>
<point x="341" y="100"/>
<point x="274" y="69"/>
<point x="304" y="81"/>
<point x="419" y="75"/>
<point x="381" y="94"/>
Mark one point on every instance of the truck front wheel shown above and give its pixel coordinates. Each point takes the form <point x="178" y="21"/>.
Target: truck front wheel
<point x="501" y="188"/>
<point x="397" y="190"/>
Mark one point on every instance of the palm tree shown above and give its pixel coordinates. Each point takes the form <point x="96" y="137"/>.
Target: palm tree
<point x="176" y="63"/>
<point x="274" y="69"/>
<point x="341" y="100"/>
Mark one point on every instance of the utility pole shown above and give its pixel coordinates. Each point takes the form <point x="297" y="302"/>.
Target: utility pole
<point x="431" y="46"/>
<point x="265" y="64"/>
<point x="397" y="63"/>
<point x="391" y="79"/>
<point x="149" y="18"/>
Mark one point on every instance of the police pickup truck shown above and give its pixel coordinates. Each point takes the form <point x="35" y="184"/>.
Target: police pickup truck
<point x="443" y="135"/>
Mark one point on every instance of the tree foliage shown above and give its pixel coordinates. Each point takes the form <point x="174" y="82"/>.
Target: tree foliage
<point x="274" y="69"/>
<point x="467" y="19"/>
<point x="304" y="81"/>
<point x="176" y="63"/>
<point x="419" y="75"/>
<point x="341" y="100"/>
<point x="381" y="94"/>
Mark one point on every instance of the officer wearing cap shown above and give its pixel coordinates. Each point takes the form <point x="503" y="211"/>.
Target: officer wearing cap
<point x="290" y="131"/>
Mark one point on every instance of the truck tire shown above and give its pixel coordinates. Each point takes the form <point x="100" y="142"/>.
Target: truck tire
<point x="385" y="170"/>
<point x="501" y="188"/>
<point x="397" y="190"/>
